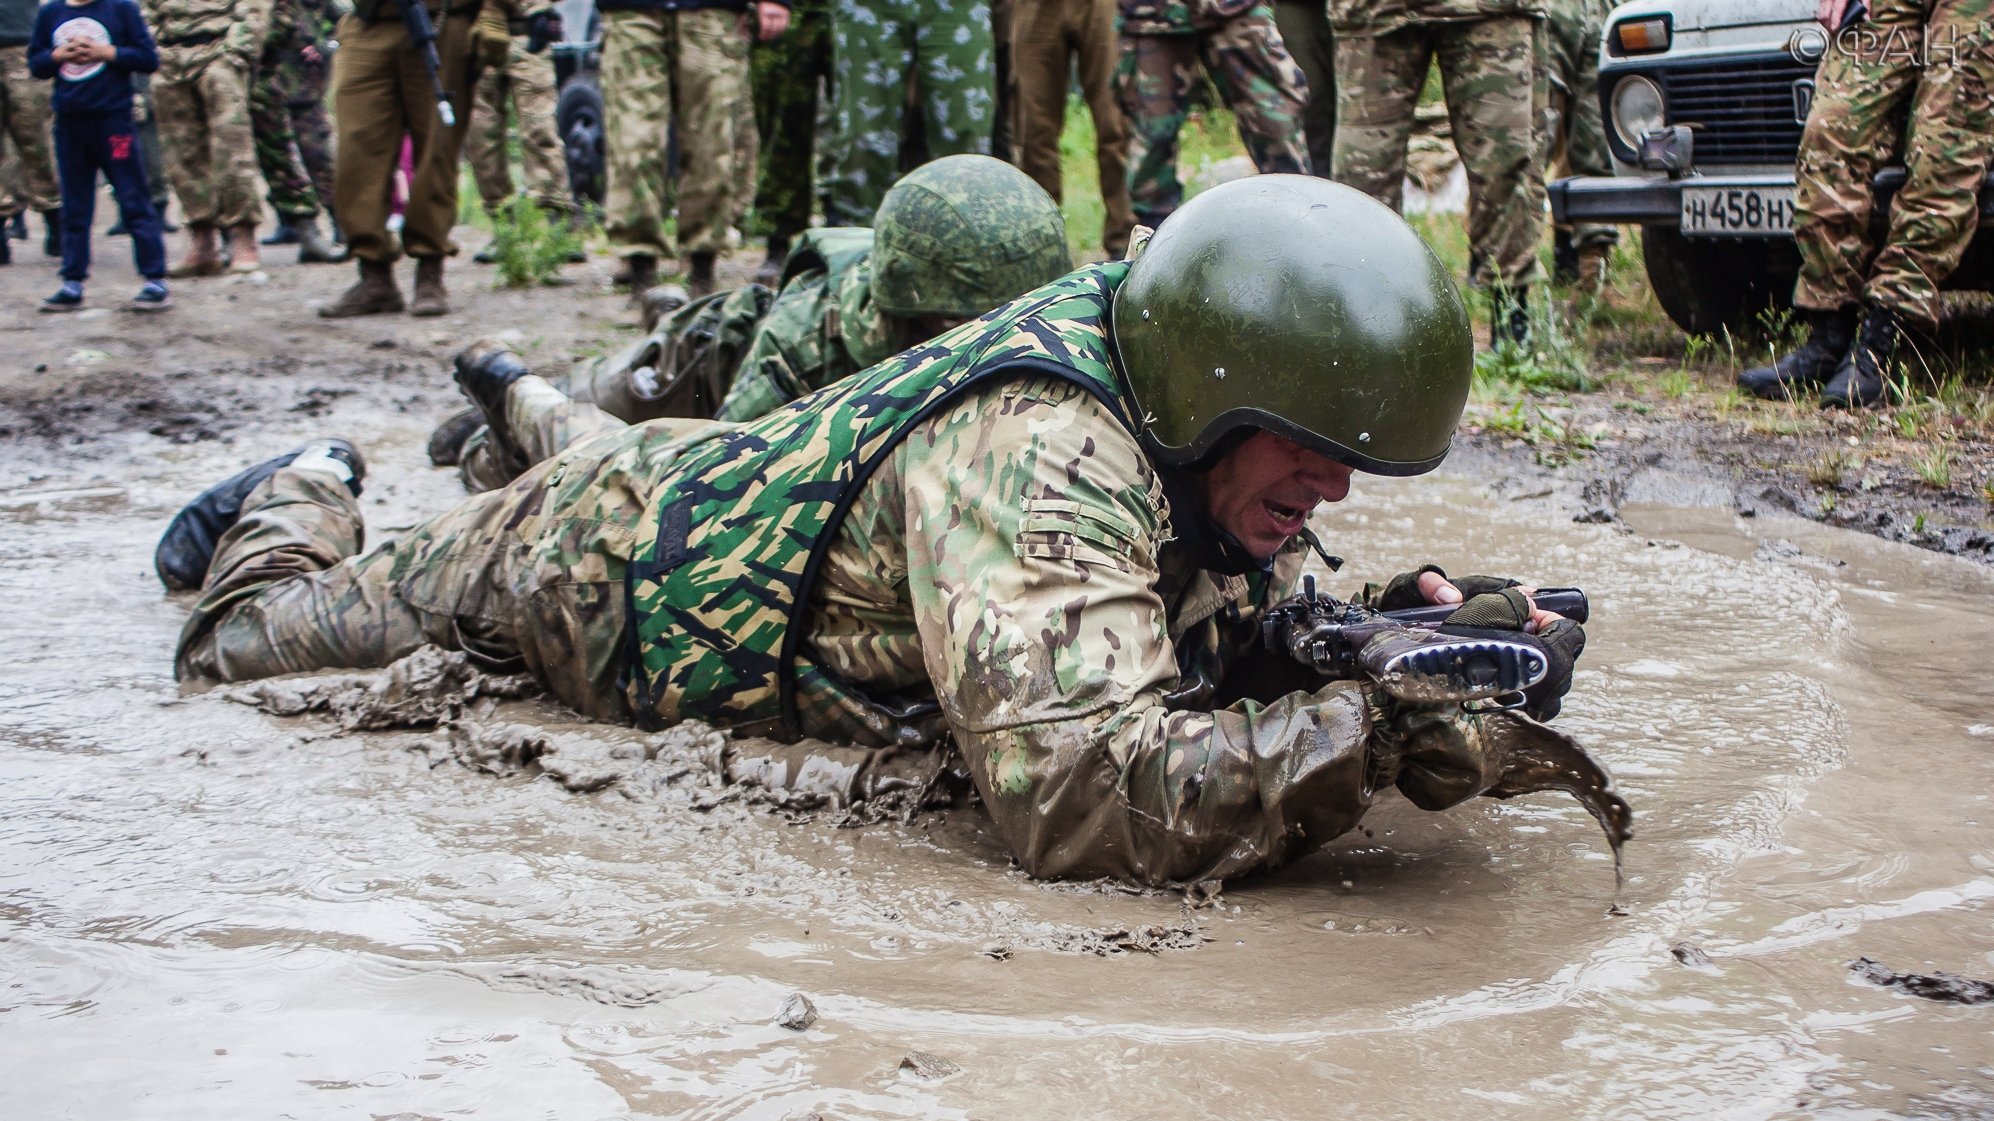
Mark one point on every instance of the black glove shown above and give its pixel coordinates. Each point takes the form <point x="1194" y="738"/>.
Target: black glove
<point x="542" y="27"/>
<point x="1402" y="591"/>
<point x="1501" y="614"/>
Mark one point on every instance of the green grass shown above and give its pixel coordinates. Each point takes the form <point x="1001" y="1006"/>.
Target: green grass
<point x="531" y="247"/>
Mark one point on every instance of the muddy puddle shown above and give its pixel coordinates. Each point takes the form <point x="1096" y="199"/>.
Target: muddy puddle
<point x="206" y="910"/>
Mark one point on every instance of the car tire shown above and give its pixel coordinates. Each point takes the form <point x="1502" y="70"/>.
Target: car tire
<point x="1711" y="286"/>
<point x="579" y="117"/>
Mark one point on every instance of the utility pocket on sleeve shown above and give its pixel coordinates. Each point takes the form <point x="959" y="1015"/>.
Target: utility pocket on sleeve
<point x="1061" y="529"/>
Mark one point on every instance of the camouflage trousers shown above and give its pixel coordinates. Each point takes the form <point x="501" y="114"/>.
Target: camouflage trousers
<point x="527" y="82"/>
<point x="644" y="55"/>
<point x="24" y="127"/>
<point x="1867" y="84"/>
<point x="528" y="578"/>
<point x="787" y="73"/>
<point x="201" y="99"/>
<point x="938" y="49"/>
<point x="1255" y="77"/>
<point x="1577" y="141"/>
<point x="1306" y="32"/>
<point x="298" y="187"/>
<point x="1494" y="111"/>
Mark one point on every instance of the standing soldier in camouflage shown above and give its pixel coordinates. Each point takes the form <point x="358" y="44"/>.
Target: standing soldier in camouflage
<point x="788" y="74"/>
<point x="1167" y="46"/>
<point x="1577" y="145"/>
<point x="296" y="43"/>
<point x="1049" y="40"/>
<point x="207" y="53"/>
<point x="1008" y="540"/>
<point x="383" y="92"/>
<point x="941" y="50"/>
<point x="526" y="81"/>
<point x="954" y="238"/>
<point x="692" y="56"/>
<point x="24" y="126"/>
<point x="1912" y="82"/>
<point x="1487" y="51"/>
<point x="1306" y="32"/>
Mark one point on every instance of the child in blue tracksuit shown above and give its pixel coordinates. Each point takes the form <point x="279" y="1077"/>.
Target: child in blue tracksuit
<point x="92" y="48"/>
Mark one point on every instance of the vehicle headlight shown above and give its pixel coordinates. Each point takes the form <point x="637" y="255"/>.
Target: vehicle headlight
<point x="1637" y="109"/>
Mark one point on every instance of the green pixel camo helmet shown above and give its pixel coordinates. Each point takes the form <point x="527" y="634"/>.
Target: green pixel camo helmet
<point x="962" y="235"/>
<point x="1302" y="307"/>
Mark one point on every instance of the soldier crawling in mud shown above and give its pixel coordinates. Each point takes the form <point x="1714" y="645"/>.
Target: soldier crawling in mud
<point x="1045" y="537"/>
<point x="953" y="239"/>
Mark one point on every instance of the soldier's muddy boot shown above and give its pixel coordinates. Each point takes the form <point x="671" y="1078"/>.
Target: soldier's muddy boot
<point x="430" y="296"/>
<point x="769" y="272"/>
<point x="1509" y="317"/>
<point x="699" y="275"/>
<point x="639" y="274"/>
<point x="374" y="294"/>
<point x="314" y="248"/>
<point x="243" y="255"/>
<point x="204" y="254"/>
<point x="188" y="545"/>
<point x="485" y="373"/>
<point x="660" y="301"/>
<point x="446" y="444"/>
<point x="1860" y="377"/>
<point x="1828" y="337"/>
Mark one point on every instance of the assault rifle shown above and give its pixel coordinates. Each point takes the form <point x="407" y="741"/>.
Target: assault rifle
<point x="422" y="36"/>
<point x="1404" y="651"/>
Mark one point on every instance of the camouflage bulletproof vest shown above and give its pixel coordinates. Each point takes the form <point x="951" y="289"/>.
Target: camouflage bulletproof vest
<point x="720" y="581"/>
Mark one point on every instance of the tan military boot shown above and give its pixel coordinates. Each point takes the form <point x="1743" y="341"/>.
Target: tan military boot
<point x="313" y="247"/>
<point x="242" y="252"/>
<point x="430" y="296"/>
<point x="375" y="294"/>
<point x="204" y="255"/>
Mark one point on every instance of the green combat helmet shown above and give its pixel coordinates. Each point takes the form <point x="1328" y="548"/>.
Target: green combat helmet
<point x="1299" y="306"/>
<point x="961" y="235"/>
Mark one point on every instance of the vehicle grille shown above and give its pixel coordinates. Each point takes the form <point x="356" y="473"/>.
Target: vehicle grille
<point x="1740" y="109"/>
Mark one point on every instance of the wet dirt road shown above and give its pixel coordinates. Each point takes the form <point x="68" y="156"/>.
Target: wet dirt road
<point x="207" y="911"/>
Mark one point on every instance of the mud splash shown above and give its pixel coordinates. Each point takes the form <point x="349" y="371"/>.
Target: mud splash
<point x="228" y="911"/>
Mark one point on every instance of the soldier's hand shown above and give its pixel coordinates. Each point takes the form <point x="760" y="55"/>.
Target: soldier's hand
<point x="311" y="54"/>
<point x="1832" y="13"/>
<point x="491" y="39"/>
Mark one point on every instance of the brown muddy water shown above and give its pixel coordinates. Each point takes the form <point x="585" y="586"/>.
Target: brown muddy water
<point x="207" y="911"/>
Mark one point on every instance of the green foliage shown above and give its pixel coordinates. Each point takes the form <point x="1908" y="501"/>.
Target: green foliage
<point x="1934" y="468"/>
<point x="530" y="247"/>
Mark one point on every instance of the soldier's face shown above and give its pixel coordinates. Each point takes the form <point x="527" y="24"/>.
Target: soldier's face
<point x="1262" y="492"/>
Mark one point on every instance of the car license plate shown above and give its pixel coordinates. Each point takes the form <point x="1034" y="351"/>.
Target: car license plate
<point x="1737" y="211"/>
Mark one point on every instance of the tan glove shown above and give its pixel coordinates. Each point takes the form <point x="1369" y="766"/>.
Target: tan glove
<point x="491" y="38"/>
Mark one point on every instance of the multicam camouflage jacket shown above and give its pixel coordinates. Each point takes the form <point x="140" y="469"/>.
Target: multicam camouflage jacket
<point x="967" y="542"/>
<point x="1382" y="17"/>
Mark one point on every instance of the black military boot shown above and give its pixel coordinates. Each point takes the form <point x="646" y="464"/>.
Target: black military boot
<point x="1829" y="334"/>
<point x="1859" y="378"/>
<point x="446" y="444"/>
<point x="769" y="272"/>
<point x="188" y="545"/>
<point x="699" y="275"/>
<point x="1509" y="316"/>
<point x="486" y="376"/>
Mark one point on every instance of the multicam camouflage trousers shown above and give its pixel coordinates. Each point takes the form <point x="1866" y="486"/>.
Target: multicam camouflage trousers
<point x="201" y="99"/>
<point x="24" y="126"/>
<point x="527" y="81"/>
<point x="293" y="137"/>
<point x="1494" y="112"/>
<point x="528" y="578"/>
<point x="1936" y="59"/>
<point x="1256" y="79"/>
<point x="644" y="54"/>
<point x="1577" y="144"/>
<point x="940" y="48"/>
